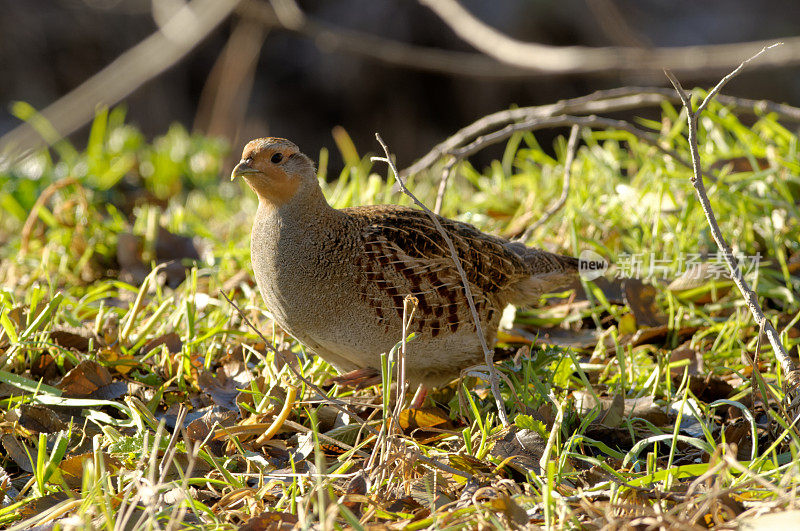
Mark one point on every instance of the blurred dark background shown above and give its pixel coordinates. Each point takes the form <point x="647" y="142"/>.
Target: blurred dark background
<point x="301" y="89"/>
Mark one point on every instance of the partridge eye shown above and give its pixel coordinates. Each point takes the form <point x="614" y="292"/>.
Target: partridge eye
<point x="276" y="158"/>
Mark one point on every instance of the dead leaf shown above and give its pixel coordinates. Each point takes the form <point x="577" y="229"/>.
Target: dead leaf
<point x="686" y="352"/>
<point x="45" y="367"/>
<point x="358" y="486"/>
<point x="170" y="249"/>
<point x="77" y="339"/>
<point x="641" y="299"/>
<point x="430" y="490"/>
<point x="426" y="417"/>
<point x="72" y="467"/>
<point x="711" y="276"/>
<point x="653" y="336"/>
<point x="16" y="450"/>
<point x="644" y="408"/>
<point x="270" y="521"/>
<point x="171" y="339"/>
<point x="506" y="504"/>
<point x="222" y="388"/>
<point x="740" y="164"/>
<point x="39" y="419"/>
<point x="525" y="446"/>
<point x="612" y="417"/>
<point x="581" y="339"/>
<point x="91" y="380"/>
<point x="212" y="418"/>
<point x="40" y="505"/>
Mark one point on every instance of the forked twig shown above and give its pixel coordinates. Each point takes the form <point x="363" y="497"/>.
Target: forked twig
<point x="487" y="353"/>
<point x="791" y="374"/>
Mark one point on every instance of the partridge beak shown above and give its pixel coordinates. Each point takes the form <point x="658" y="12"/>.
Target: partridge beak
<point x="241" y="170"/>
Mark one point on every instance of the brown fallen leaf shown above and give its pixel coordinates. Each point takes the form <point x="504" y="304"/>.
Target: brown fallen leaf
<point x="171" y="339"/>
<point x="654" y="335"/>
<point x="212" y="418"/>
<point x="46" y="368"/>
<point x="686" y="352"/>
<point x="524" y="448"/>
<point x="72" y="467"/>
<point x="222" y="388"/>
<point x="740" y="164"/>
<point x="91" y="380"/>
<point x="644" y="408"/>
<point x="170" y="249"/>
<point x="427" y="417"/>
<point x="702" y="283"/>
<point x="641" y="299"/>
<point x="270" y="521"/>
<point x="39" y="419"/>
<point x="40" y="505"/>
<point x="18" y="452"/>
<point x="74" y="338"/>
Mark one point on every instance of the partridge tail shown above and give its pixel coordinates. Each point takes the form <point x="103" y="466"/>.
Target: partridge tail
<point x="549" y="272"/>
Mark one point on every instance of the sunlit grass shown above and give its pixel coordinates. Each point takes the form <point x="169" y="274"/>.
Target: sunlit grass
<point x="627" y="199"/>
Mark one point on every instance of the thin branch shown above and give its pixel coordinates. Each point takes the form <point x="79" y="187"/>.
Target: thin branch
<point x="594" y="122"/>
<point x="488" y="353"/>
<point x="724" y="81"/>
<point x="223" y="100"/>
<point x="583" y="59"/>
<point x="446" y="171"/>
<point x="329" y="38"/>
<point x="572" y="145"/>
<point x="603" y="101"/>
<point x="174" y="39"/>
<point x="790" y="372"/>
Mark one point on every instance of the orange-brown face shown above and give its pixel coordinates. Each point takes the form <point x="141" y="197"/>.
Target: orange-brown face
<point x="274" y="168"/>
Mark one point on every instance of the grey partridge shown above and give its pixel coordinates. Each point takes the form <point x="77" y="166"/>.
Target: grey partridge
<point x="336" y="279"/>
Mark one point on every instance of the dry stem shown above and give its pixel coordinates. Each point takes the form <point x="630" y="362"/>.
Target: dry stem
<point x="790" y="372"/>
<point x="487" y="352"/>
<point x="583" y="59"/>
<point x="602" y="101"/>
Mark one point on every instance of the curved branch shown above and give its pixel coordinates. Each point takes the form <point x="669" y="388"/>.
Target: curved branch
<point x="602" y="101"/>
<point x="138" y="65"/>
<point x="583" y="59"/>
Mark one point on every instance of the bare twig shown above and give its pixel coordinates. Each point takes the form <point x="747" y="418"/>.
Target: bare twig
<point x="584" y="59"/>
<point x="603" y="101"/>
<point x="488" y="353"/>
<point x="572" y="144"/>
<point x="155" y="54"/>
<point x="410" y="304"/>
<point x="223" y="101"/>
<point x="594" y="122"/>
<point x="330" y="38"/>
<point x="446" y="171"/>
<point x="790" y="372"/>
<point x="503" y="63"/>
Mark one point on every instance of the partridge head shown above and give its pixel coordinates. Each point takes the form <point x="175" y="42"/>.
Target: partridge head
<point x="337" y="279"/>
